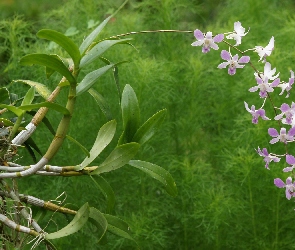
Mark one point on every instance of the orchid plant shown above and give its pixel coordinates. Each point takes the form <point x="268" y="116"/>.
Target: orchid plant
<point x="20" y="225"/>
<point x="267" y="80"/>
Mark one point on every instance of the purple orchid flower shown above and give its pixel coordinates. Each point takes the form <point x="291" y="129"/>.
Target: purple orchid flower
<point x="264" y="86"/>
<point x="290" y="159"/>
<point x="267" y="157"/>
<point x="232" y="61"/>
<point x="283" y="136"/>
<point x="288" y="112"/>
<point x="290" y="187"/>
<point x="256" y="113"/>
<point x="287" y="86"/>
<point x="207" y="41"/>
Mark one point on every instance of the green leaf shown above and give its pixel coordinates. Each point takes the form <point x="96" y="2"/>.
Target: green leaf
<point x="157" y="173"/>
<point x="149" y="128"/>
<point x="48" y="61"/>
<point x="89" y="39"/>
<point x="106" y="189"/>
<point x="91" y="78"/>
<point x="6" y="122"/>
<point x="29" y="97"/>
<point x="79" y="144"/>
<point x="104" y="137"/>
<point x="99" y="49"/>
<point x="101" y="222"/>
<point x="118" y="227"/>
<point x="62" y="40"/>
<point x="71" y="32"/>
<point x="130" y="113"/>
<point x="49" y="105"/>
<point x="30" y="151"/>
<point x="75" y="225"/>
<point x="102" y="103"/>
<point x="91" y="23"/>
<point x="4" y="95"/>
<point x="120" y="156"/>
<point x="31" y="143"/>
<point x="13" y="109"/>
<point x="40" y="88"/>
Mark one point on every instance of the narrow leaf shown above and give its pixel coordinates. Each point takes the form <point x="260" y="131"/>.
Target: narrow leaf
<point x="89" y="39"/>
<point x="99" y="49"/>
<point x="79" y="144"/>
<point x="91" y="78"/>
<point x="4" y="95"/>
<point x="6" y="122"/>
<point x="30" y="142"/>
<point x="118" y="227"/>
<point x="101" y="222"/>
<point x="13" y="109"/>
<point x="49" y="105"/>
<point x="120" y="156"/>
<point x="130" y="113"/>
<point x="29" y="97"/>
<point x="50" y="62"/>
<point x="149" y="128"/>
<point x="106" y="189"/>
<point x="75" y="225"/>
<point x="157" y="173"/>
<point x="62" y="40"/>
<point x="39" y="87"/>
<point x="104" y="137"/>
<point x="102" y="103"/>
<point x="30" y="151"/>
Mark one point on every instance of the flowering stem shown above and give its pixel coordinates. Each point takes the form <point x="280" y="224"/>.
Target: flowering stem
<point x="150" y="31"/>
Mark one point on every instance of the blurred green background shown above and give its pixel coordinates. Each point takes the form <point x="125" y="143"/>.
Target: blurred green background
<point x="227" y="199"/>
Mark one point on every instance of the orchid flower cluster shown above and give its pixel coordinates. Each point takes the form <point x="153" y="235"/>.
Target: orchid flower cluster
<point x="266" y="82"/>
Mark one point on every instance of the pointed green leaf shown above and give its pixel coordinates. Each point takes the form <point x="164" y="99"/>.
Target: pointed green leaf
<point x="40" y="88"/>
<point x="118" y="227"/>
<point x="30" y="151"/>
<point x="102" y="103"/>
<point x="75" y="225"/>
<point x="149" y="128"/>
<point x="4" y="95"/>
<point x="157" y="173"/>
<point x="49" y="105"/>
<point x="101" y="222"/>
<point x="106" y="189"/>
<point x="30" y="142"/>
<point x="120" y="156"/>
<point x="91" y="78"/>
<point x="6" y="122"/>
<point x="89" y="39"/>
<point x="104" y="137"/>
<point x="62" y="40"/>
<point x="130" y="113"/>
<point x="99" y="49"/>
<point x="79" y="144"/>
<point x="29" y="97"/>
<point x="50" y="62"/>
<point x="13" y="109"/>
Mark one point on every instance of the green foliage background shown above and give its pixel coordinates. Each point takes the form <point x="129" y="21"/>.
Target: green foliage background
<point x="226" y="198"/>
